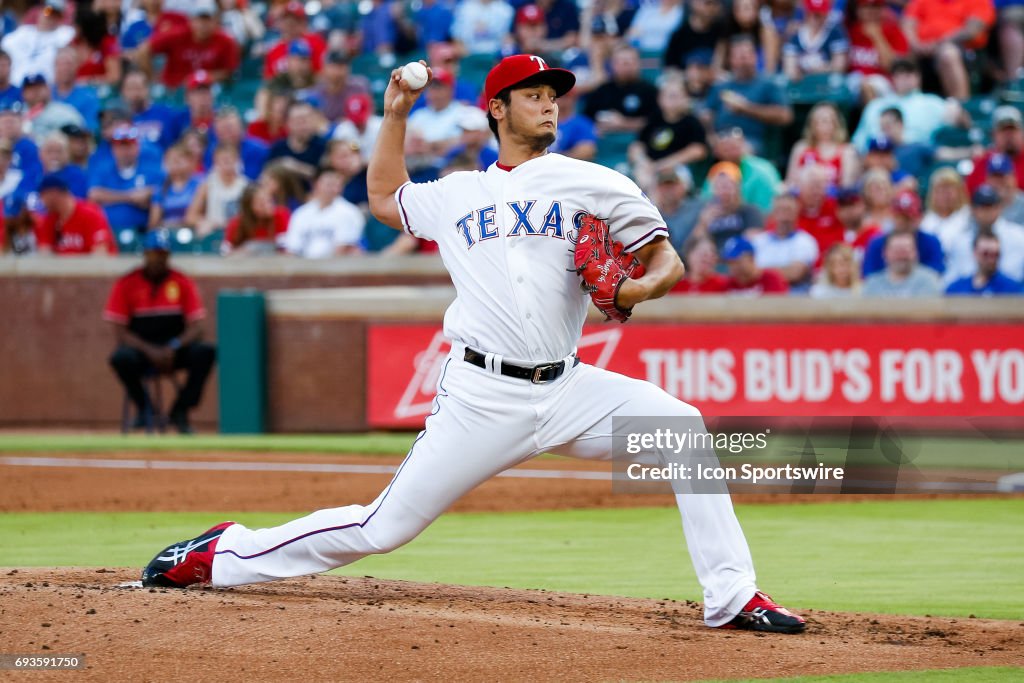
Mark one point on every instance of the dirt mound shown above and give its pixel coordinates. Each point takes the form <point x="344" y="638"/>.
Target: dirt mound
<point x="95" y="483"/>
<point x="339" y="629"/>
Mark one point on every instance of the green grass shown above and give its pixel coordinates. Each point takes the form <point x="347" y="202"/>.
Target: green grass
<point x="939" y="557"/>
<point x="974" y="674"/>
<point x="383" y="443"/>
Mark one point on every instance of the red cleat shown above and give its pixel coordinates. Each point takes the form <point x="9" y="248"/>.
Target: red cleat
<point x="185" y="562"/>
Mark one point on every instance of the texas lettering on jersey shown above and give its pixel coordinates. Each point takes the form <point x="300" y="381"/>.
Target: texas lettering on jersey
<point x="478" y="225"/>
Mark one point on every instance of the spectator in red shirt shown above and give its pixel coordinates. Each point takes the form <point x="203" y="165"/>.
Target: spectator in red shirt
<point x="157" y="317"/>
<point x="942" y="31"/>
<point x="818" y="210"/>
<point x="876" y="40"/>
<point x="98" y="51"/>
<point x="270" y="125"/>
<point x="292" y="24"/>
<point x="199" y="100"/>
<point x="1008" y="139"/>
<point x="71" y="225"/>
<point x="701" y="258"/>
<point x="744" y="275"/>
<point x="254" y="231"/>
<point x="203" y="45"/>
<point x="851" y="213"/>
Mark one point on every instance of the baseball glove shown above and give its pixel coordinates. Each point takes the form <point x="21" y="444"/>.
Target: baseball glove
<point x="601" y="263"/>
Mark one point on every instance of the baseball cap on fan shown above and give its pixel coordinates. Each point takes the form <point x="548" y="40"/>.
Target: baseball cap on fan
<point x="515" y="69"/>
<point x="530" y="14"/>
<point x="1000" y="164"/>
<point x="907" y="203"/>
<point x="818" y="6"/>
<point x="203" y="8"/>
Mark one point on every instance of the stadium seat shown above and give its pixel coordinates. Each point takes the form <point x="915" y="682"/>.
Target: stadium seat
<point x="612" y="151"/>
<point x="956" y="136"/>
<point x="377" y="236"/>
<point x="980" y="109"/>
<point x="211" y="243"/>
<point x="474" y="68"/>
<point x="810" y="90"/>
<point x="128" y="241"/>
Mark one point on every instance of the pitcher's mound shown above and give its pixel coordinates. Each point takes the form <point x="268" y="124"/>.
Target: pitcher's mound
<point x="341" y="629"/>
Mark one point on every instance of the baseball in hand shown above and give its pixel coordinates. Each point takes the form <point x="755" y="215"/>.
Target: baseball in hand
<point x="415" y="75"/>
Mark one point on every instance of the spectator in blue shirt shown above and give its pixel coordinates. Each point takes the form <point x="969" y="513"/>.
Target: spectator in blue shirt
<point x="8" y="91"/>
<point x="157" y="123"/>
<point x="987" y="280"/>
<point x="882" y="154"/>
<point x="66" y="89"/>
<point x="302" y="150"/>
<point x="126" y="193"/>
<point x="227" y="130"/>
<point x="576" y="136"/>
<point x="906" y="210"/>
<point x="433" y="22"/>
<point x="15" y="186"/>
<point x="820" y="45"/>
<point x="750" y="101"/>
<point x="916" y="158"/>
<point x="379" y="29"/>
<point x="55" y="157"/>
<point x="563" y="20"/>
<point x="174" y="195"/>
<point x="474" y="141"/>
<point x="79" y="145"/>
<point x="25" y="156"/>
<point x="102" y="160"/>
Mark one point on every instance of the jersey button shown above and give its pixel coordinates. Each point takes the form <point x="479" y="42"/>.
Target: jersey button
<point x="528" y="316"/>
<point x="519" y="279"/>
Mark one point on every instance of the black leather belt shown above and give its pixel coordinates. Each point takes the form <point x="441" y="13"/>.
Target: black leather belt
<point x="538" y="374"/>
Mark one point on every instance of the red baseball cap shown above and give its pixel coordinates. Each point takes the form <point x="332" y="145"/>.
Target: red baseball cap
<point x="295" y="9"/>
<point x="907" y="203"/>
<point x="517" y="68"/>
<point x="441" y="75"/>
<point x="199" y="79"/>
<point x="818" y="6"/>
<point x="530" y="14"/>
<point x="358" y="108"/>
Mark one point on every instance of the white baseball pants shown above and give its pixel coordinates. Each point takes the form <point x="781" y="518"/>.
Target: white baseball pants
<point x="484" y="423"/>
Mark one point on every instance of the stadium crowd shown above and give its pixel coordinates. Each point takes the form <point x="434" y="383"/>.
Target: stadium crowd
<point x="870" y="148"/>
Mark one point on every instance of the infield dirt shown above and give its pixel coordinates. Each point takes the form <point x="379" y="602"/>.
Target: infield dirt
<point x="341" y="629"/>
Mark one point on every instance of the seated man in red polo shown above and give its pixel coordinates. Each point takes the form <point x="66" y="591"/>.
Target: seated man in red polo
<point x="157" y="317"/>
<point x="71" y="225"/>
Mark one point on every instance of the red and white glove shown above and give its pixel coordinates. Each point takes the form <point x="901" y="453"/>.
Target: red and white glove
<point x="604" y="266"/>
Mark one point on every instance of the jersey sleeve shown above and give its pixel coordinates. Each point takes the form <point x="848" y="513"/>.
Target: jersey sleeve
<point x="349" y="230"/>
<point x="631" y="215"/>
<point x="419" y="205"/>
<point x="118" y="310"/>
<point x="291" y="240"/>
<point x="44" y="232"/>
<point x="102" y="235"/>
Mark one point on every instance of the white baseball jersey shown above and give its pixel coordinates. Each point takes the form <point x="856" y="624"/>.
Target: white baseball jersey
<point x="507" y="238"/>
<point x="316" y="231"/>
